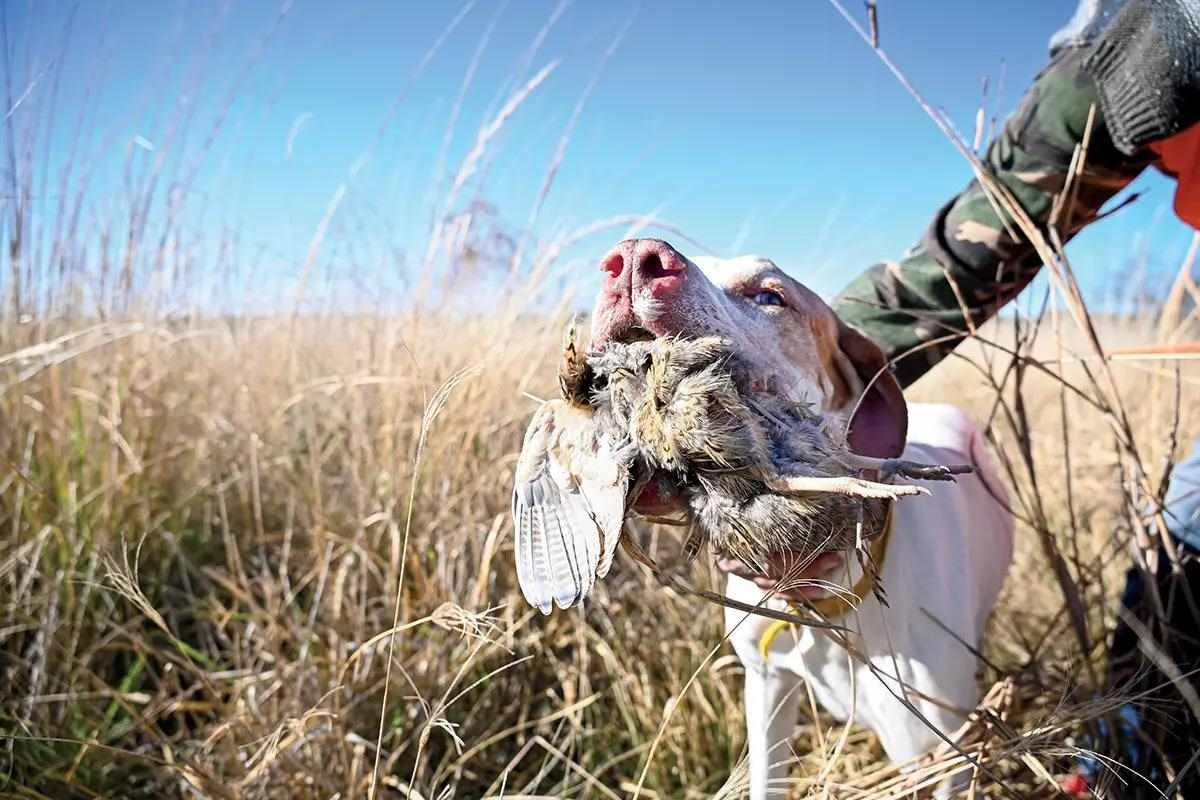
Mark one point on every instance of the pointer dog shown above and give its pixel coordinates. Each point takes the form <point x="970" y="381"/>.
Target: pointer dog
<point x="942" y="562"/>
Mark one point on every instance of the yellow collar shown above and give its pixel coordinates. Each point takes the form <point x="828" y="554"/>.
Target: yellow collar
<point x="836" y="605"/>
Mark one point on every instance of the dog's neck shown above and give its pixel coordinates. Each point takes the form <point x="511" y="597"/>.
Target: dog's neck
<point x="860" y="574"/>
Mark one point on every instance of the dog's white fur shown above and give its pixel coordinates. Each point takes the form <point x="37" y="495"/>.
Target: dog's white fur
<point x="946" y="560"/>
<point x="948" y="552"/>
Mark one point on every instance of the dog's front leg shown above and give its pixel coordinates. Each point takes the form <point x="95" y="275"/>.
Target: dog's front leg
<point x="772" y="707"/>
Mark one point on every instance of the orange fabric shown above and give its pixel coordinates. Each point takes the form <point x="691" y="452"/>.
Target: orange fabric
<point x="1180" y="155"/>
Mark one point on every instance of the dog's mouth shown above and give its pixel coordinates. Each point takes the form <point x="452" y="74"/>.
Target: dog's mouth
<point x="659" y="495"/>
<point x="629" y="335"/>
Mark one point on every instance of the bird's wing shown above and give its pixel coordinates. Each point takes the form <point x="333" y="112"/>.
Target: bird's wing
<point x="568" y="506"/>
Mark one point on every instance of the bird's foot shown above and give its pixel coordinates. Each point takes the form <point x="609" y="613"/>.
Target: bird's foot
<point x="889" y="468"/>
<point x="851" y="487"/>
<point x="892" y="467"/>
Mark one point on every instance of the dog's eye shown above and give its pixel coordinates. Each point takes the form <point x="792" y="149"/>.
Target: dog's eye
<point x="766" y="297"/>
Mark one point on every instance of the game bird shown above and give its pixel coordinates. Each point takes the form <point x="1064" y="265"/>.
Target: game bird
<point x="756" y="474"/>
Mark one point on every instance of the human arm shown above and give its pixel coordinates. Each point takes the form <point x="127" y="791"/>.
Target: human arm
<point x="972" y="259"/>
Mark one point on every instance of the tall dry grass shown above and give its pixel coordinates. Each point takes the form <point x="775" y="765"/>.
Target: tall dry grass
<point x="207" y="528"/>
<point x="227" y="536"/>
<point x="204" y="532"/>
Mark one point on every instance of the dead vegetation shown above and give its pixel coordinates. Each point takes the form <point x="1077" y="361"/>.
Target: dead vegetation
<point x="205" y="529"/>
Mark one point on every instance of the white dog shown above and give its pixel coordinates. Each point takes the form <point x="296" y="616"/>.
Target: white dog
<point x="943" y="560"/>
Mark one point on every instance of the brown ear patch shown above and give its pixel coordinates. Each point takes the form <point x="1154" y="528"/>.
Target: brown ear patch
<point x="879" y="426"/>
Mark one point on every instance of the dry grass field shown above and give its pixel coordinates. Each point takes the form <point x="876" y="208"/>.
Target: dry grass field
<point x="252" y="555"/>
<point x="206" y="522"/>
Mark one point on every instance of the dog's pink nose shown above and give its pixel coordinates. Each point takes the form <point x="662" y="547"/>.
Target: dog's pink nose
<point x="645" y="263"/>
<point x="636" y="271"/>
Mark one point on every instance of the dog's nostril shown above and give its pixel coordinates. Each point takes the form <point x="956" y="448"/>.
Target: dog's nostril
<point x="614" y="265"/>
<point x="651" y="266"/>
<point x="655" y="260"/>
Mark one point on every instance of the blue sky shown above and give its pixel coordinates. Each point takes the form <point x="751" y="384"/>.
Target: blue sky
<point x="754" y="126"/>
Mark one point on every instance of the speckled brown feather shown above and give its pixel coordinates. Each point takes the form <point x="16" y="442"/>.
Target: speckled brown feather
<point x="759" y="474"/>
<point x="574" y="372"/>
<point x="687" y="416"/>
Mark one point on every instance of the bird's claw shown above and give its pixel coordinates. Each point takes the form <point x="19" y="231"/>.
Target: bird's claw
<point x="892" y="467"/>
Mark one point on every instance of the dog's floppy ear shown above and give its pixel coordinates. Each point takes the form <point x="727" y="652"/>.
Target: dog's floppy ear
<point x="879" y="426"/>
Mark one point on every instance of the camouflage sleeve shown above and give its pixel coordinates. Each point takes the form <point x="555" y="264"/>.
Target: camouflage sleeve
<point x="971" y="259"/>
